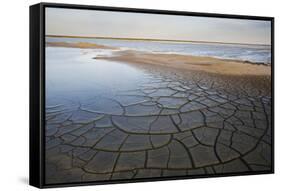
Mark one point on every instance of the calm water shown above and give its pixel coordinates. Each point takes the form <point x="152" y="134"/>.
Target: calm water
<point x="253" y="53"/>
<point x="73" y="76"/>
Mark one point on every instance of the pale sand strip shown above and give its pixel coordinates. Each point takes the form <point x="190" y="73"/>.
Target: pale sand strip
<point x="183" y="62"/>
<point x="195" y="63"/>
<point x="78" y="45"/>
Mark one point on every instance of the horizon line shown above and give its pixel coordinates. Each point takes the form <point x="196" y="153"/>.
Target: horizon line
<point x="152" y="39"/>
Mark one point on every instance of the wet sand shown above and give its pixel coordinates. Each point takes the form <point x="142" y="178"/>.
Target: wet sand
<point x="194" y="63"/>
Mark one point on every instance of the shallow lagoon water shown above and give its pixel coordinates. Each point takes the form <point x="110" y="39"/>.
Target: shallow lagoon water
<point x="73" y="74"/>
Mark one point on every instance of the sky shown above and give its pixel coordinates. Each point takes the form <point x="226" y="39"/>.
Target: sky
<point x="91" y="23"/>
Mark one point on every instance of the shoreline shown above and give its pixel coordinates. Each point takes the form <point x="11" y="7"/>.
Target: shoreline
<point x="158" y="40"/>
<point x="177" y="61"/>
<point x="83" y="45"/>
<point x="191" y="63"/>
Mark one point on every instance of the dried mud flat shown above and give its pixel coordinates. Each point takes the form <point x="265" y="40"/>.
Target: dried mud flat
<point x="178" y="124"/>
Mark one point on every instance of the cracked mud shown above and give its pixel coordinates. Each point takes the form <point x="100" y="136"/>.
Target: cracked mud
<point x="171" y="125"/>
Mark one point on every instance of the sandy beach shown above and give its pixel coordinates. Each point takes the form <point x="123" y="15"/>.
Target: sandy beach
<point x="186" y="62"/>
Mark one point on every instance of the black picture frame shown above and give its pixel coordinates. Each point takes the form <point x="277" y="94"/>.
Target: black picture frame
<point x="37" y="91"/>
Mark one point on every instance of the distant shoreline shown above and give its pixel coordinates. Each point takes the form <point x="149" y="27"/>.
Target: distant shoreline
<point x="158" y="40"/>
<point x="83" y="45"/>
